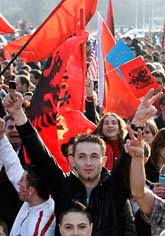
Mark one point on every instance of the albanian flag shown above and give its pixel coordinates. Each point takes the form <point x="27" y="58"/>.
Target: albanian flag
<point x="62" y="23"/>
<point x="56" y="105"/>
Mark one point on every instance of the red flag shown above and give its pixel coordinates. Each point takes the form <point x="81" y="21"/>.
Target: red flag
<point x="50" y="138"/>
<point x="163" y="41"/>
<point x="62" y="23"/>
<point x="67" y="125"/>
<point x="62" y="82"/>
<point x="110" y="21"/>
<point x="105" y="43"/>
<point x="138" y="76"/>
<point x="108" y="42"/>
<point x="118" y="97"/>
<point x="121" y="100"/>
<point x="60" y="90"/>
<point x="5" y="26"/>
<point x="90" y="8"/>
<point x="75" y="123"/>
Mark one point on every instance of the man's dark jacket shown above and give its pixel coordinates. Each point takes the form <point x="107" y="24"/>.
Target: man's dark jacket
<point x="108" y="200"/>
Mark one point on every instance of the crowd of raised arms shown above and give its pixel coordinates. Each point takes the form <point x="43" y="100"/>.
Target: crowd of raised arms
<point x="116" y="182"/>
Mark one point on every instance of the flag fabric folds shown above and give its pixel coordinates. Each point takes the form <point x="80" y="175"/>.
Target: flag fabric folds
<point x="5" y="26"/>
<point x="121" y="99"/>
<point x="62" y="23"/>
<point x="119" y="54"/>
<point x="138" y="76"/>
<point x="61" y="85"/>
<point x="105" y="43"/>
<point x="74" y="122"/>
<point x="118" y="97"/>
<point x="59" y="93"/>
<point x="110" y="18"/>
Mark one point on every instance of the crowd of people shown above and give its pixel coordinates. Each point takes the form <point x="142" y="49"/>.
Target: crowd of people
<point x="113" y="187"/>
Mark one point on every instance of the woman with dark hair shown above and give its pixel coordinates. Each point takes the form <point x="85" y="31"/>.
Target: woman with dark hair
<point x="76" y="219"/>
<point x="112" y="128"/>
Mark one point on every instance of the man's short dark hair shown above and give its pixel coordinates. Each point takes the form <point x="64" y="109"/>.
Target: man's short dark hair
<point x="24" y="80"/>
<point x="8" y="117"/>
<point x="64" y="146"/>
<point x="148" y="56"/>
<point x="37" y="73"/>
<point x="158" y="73"/>
<point x="35" y="181"/>
<point x="76" y="206"/>
<point x="82" y="138"/>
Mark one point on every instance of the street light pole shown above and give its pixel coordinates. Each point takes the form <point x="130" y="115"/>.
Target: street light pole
<point x="136" y="14"/>
<point x="144" y="13"/>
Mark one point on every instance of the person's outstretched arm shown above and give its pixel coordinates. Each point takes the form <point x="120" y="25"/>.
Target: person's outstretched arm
<point x="144" y="111"/>
<point x="39" y="155"/>
<point x="134" y="146"/>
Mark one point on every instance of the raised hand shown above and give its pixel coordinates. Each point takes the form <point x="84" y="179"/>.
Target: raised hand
<point x="146" y="109"/>
<point x="89" y="87"/>
<point x="13" y="106"/>
<point x="134" y="146"/>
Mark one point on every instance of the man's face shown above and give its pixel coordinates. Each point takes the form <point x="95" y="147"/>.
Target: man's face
<point x="162" y="58"/>
<point x="19" y="63"/>
<point x="19" y="86"/>
<point x="75" y="224"/>
<point x="24" y="189"/>
<point x="147" y="134"/>
<point x="70" y="156"/>
<point x="12" y="134"/>
<point x="89" y="162"/>
<point x="8" y="72"/>
<point x="159" y="80"/>
<point x="110" y="127"/>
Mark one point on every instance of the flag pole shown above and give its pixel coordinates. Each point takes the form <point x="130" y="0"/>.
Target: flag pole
<point x="13" y="59"/>
<point x="31" y="37"/>
<point x="83" y="54"/>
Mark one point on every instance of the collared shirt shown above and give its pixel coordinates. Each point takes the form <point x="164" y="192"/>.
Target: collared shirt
<point x="37" y="220"/>
<point x="157" y="218"/>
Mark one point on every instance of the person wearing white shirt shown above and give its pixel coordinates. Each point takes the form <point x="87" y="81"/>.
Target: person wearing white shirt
<point x="36" y="216"/>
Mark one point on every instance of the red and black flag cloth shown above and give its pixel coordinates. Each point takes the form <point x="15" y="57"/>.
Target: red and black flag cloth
<point x="56" y="107"/>
<point x="138" y="77"/>
<point x="62" y="23"/>
<point x="118" y="97"/>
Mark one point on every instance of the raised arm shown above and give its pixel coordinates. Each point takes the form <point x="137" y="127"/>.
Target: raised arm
<point x="146" y="110"/>
<point x="135" y="148"/>
<point x="9" y="158"/>
<point x="47" y="167"/>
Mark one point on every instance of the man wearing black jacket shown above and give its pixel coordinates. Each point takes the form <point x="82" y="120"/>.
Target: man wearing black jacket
<point x="104" y="193"/>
